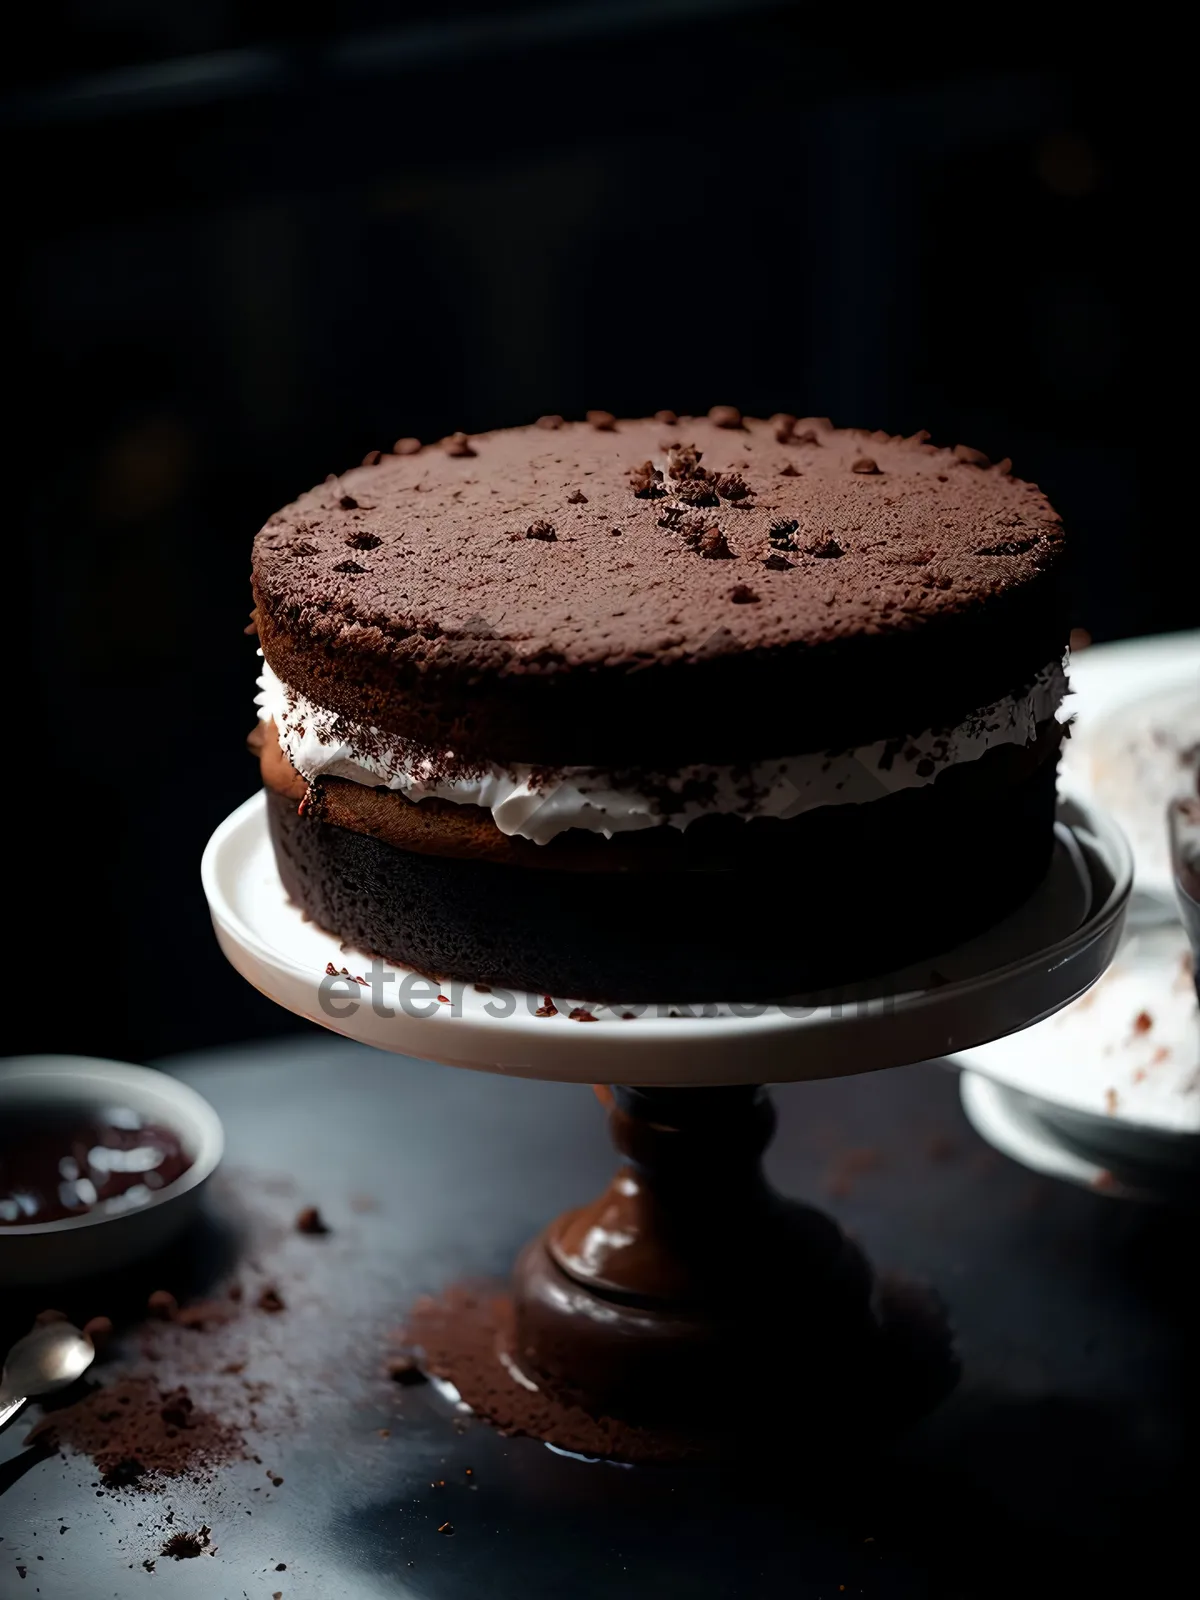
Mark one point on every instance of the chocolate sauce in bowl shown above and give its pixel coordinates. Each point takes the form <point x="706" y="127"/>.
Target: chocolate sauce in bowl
<point x="61" y="1161"/>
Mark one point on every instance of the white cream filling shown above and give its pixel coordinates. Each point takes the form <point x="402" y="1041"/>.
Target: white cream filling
<point x="528" y="801"/>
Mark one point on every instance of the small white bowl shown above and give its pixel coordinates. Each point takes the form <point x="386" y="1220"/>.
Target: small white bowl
<point x="75" y="1247"/>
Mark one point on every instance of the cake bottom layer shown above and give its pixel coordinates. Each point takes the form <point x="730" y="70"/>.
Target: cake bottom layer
<point x="879" y="886"/>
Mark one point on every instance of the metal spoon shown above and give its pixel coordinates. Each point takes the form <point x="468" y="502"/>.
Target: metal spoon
<point x="47" y="1359"/>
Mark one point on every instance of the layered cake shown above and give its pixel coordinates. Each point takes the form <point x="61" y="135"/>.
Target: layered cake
<point x="678" y="708"/>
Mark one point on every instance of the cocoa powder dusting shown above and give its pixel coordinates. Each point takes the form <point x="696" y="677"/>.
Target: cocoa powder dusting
<point x="134" y="1430"/>
<point x="460" y="1336"/>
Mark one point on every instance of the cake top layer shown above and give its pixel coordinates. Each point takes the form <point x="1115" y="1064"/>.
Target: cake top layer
<point x="614" y="550"/>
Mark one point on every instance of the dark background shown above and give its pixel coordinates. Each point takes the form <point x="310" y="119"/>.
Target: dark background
<point x="244" y="248"/>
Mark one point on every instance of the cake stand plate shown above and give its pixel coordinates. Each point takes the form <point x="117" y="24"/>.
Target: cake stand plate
<point x="1039" y="959"/>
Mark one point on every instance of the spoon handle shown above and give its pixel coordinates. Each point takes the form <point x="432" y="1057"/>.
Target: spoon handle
<point x="10" y="1405"/>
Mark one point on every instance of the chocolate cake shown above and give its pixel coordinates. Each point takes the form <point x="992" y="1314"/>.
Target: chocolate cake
<point x="676" y="708"/>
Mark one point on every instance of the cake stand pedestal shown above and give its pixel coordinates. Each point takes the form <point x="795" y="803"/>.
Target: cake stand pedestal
<point x="689" y="1259"/>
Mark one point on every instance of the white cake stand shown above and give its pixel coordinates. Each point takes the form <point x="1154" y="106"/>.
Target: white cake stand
<point x="689" y="1258"/>
<point x="1039" y="959"/>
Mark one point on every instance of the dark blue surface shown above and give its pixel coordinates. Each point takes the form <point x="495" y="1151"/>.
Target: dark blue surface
<point x="1057" y="1468"/>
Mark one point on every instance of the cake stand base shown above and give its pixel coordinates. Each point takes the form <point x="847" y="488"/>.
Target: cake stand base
<point x="690" y="1267"/>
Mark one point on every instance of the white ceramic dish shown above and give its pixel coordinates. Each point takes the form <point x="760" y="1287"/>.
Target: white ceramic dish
<point x="1113" y="1080"/>
<point x="73" y="1247"/>
<point x="1088" y="1151"/>
<point x="1049" y="951"/>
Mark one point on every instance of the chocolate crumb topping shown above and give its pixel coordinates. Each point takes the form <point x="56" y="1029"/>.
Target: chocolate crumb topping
<point x="731" y="486"/>
<point x="577" y="498"/>
<point x="782" y="531"/>
<point x="725" y="417"/>
<point x="777" y="563"/>
<point x="551" y="421"/>
<point x="348" y="566"/>
<point x="602" y="421"/>
<point x="782" y="424"/>
<point x="394" y="647"/>
<point x="458" y="445"/>
<point x="668" y="418"/>
<point x="541" y="530"/>
<point x="646" y="481"/>
<point x="364" y="541"/>
<point x="683" y="461"/>
<point x="865" y="466"/>
<point x="348" y="503"/>
<point x="743" y="595"/>
<point x="973" y="458"/>
<point x="697" y="491"/>
<point x="825" y="546"/>
<point x="407" y="447"/>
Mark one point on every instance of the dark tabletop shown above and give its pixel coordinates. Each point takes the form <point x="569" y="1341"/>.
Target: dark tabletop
<point x="1060" y="1466"/>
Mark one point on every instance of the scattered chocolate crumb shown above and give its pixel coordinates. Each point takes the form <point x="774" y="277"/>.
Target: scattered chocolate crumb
<point x="743" y="595"/>
<point x="136" y="1432"/>
<point x="864" y="466"/>
<point x="407" y="447"/>
<point x="973" y="458"/>
<point x="551" y="420"/>
<point x="667" y="418"/>
<point x="310" y="1220"/>
<point x="1143" y="1022"/>
<point x="405" y="1370"/>
<point x="731" y="486"/>
<point x="281" y="1566"/>
<point x="547" y="1008"/>
<point x="782" y="424"/>
<point x="149" y="1563"/>
<point x="577" y="498"/>
<point x="646" y="481"/>
<point x="99" y="1330"/>
<point x="348" y="503"/>
<point x="446" y="1527"/>
<point x="541" y="530"/>
<point x="364" y="541"/>
<point x="713" y="546"/>
<point x="697" y="491"/>
<point x="271" y="1300"/>
<point x="384" y="1433"/>
<point x="275" y="1478"/>
<point x="781" y="532"/>
<point x="725" y="417"/>
<point x="458" y="445"/>
<point x="372" y="458"/>
<point x="777" y="563"/>
<point x="163" y="1304"/>
<point x="351" y="567"/>
<point x="581" y="1014"/>
<point x="683" y="460"/>
<point x="444" y="999"/>
<point x="849" y="1167"/>
<point x="788" y="469"/>
<point x="940" y="1147"/>
<point x="602" y="421"/>
<point x="825" y="546"/>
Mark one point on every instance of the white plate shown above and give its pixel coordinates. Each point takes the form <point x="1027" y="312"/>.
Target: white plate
<point x="1011" y="1122"/>
<point x="1039" y="959"/>
<point x="1093" y="1059"/>
<point x="1135" y="704"/>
